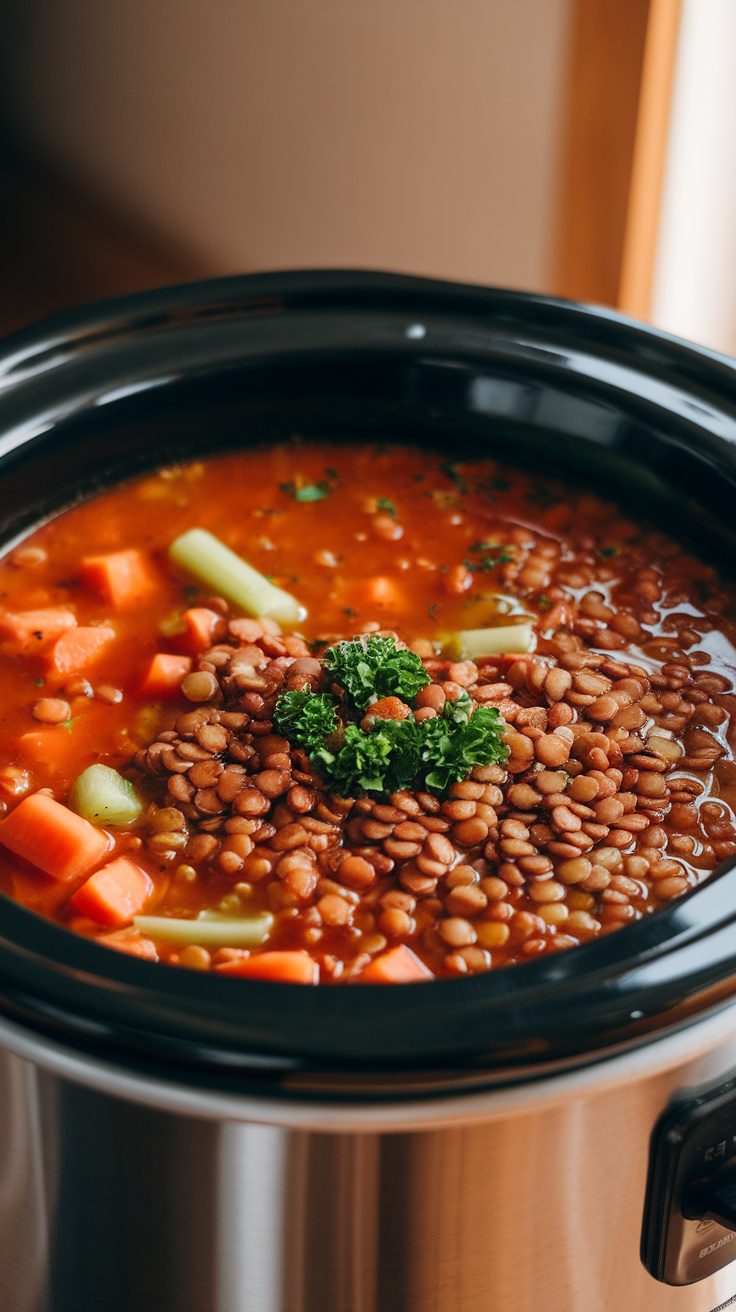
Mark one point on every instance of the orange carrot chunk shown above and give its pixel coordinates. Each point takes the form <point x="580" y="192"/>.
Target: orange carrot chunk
<point x="130" y="942"/>
<point x="114" y="894"/>
<point x="286" y="967"/>
<point x="122" y="578"/>
<point x="164" y="674"/>
<point x="397" y="966"/>
<point x="27" y="631"/>
<point x="79" y="648"/>
<point x="52" y="838"/>
<point x="202" y="627"/>
<point x="49" y="747"/>
<point x="382" y="591"/>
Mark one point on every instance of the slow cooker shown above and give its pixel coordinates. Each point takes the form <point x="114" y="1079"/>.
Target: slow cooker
<point x="557" y="1136"/>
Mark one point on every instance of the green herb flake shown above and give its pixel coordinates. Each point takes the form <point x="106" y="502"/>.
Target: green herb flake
<point x="608" y="552"/>
<point x="432" y="609"/>
<point x="544" y="602"/>
<point x="542" y="496"/>
<point x="307" y="491"/>
<point x="39" y="682"/>
<point x="450" y="469"/>
<point x="388" y="507"/>
<point x="493" y="486"/>
<point x="491" y="555"/>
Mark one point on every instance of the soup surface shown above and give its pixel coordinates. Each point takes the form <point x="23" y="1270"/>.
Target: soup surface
<point x="594" y="786"/>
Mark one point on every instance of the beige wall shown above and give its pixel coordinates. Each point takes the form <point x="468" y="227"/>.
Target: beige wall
<point x="412" y="134"/>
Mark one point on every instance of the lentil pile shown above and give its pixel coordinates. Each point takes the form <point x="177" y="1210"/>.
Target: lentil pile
<point x="614" y="791"/>
<point x="593" y="820"/>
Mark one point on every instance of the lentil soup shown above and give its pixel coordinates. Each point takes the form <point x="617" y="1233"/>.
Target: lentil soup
<point x="473" y="716"/>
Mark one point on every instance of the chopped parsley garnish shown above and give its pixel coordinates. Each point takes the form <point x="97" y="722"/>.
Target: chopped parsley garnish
<point x="544" y="602"/>
<point x="432" y="609"/>
<point x="493" y="486"/>
<point x="306" y="718"/>
<point x="371" y="667"/>
<point x="608" y="552"/>
<point x="540" y="495"/>
<point x="387" y="506"/>
<point x="449" y="468"/>
<point x="308" y="491"/>
<point x="490" y="555"/>
<point x="382" y="760"/>
<point x="389" y="754"/>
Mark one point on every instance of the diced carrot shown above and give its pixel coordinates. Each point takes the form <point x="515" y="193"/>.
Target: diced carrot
<point x="57" y="753"/>
<point x="114" y="894"/>
<point x="131" y="942"/>
<point x="52" y="838"/>
<point x="79" y="648"/>
<point x="559" y="617"/>
<point x="48" y="746"/>
<point x="288" y="967"/>
<point x="164" y="675"/>
<point x="123" y="578"/>
<point x="202" y="628"/>
<point x="383" y="591"/>
<point x="37" y="891"/>
<point x="27" y="631"/>
<point x="397" y="966"/>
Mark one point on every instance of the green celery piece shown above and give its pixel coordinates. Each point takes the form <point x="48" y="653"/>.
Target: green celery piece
<point x="103" y="796"/>
<point x="467" y="644"/>
<point x="202" y="555"/>
<point x="240" y="932"/>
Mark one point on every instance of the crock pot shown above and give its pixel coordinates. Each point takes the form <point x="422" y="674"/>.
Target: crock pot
<point x="558" y="1136"/>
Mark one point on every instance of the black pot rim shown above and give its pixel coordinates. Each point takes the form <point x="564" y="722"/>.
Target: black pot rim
<point x="647" y="978"/>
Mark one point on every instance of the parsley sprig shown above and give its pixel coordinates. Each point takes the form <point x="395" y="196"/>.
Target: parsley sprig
<point x="306" y="718"/>
<point x="372" y="667"/>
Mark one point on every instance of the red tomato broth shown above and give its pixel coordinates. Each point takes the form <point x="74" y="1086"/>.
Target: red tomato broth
<point x="390" y="542"/>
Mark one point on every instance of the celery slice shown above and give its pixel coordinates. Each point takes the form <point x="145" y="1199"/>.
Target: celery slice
<point x="203" y="555"/>
<point x="103" y="796"/>
<point x="242" y="932"/>
<point x="467" y="644"/>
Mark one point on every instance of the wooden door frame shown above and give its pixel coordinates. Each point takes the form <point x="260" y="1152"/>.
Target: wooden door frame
<point x="614" y="146"/>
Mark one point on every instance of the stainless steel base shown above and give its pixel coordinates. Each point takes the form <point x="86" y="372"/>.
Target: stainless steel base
<point x="525" y="1200"/>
